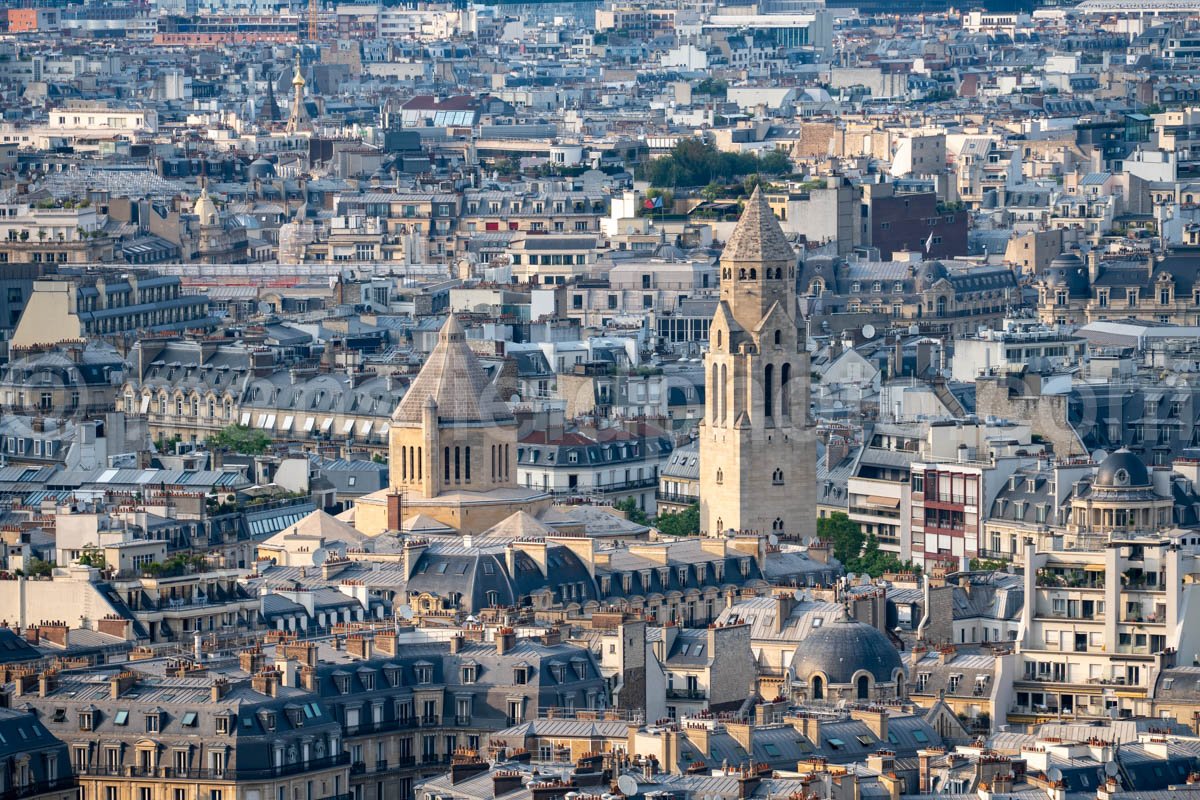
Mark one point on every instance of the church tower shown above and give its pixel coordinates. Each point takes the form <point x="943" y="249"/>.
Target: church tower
<point x="298" y="120"/>
<point x="757" y="448"/>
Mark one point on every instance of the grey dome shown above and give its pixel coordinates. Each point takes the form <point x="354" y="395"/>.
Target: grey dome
<point x="1067" y="270"/>
<point x="1122" y="470"/>
<point x="842" y="648"/>
<point x="929" y="273"/>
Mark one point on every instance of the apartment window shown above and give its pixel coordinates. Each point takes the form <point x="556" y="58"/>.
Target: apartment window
<point x="152" y="723"/>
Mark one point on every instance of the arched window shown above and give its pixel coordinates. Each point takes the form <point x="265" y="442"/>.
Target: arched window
<point x="457" y="464"/>
<point x="719" y="339"/>
<point x="720" y="476"/>
<point x="723" y="386"/>
<point x="777" y="477"/>
<point x="467" y="463"/>
<point x="403" y="463"/>
<point x="785" y="390"/>
<point x="818" y="688"/>
<point x="864" y="687"/>
<point x="753" y="274"/>
<point x="742" y="274"/>
<point x="446" y="464"/>
<point x="778" y="338"/>
<point x="769" y="391"/>
<point x="716" y="394"/>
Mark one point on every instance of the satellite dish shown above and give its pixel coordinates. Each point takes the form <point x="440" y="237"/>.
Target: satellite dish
<point x="1111" y="769"/>
<point x="628" y="785"/>
<point x="319" y="555"/>
<point x="868" y="331"/>
<point x="1114" y="713"/>
<point x="772" y="540"/>
<point x="405" y="610"/>
<point x="841" y="704"/>
<point x="1054" y="774"/>
<point x="913" y="330"/>
<point x="1099" y="456"/>
<point x="798" y="595"/>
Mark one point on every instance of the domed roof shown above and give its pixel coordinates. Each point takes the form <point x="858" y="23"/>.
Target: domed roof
<point x="1122" y="470"/>
<point x="1067" y="271"/>
<point x="929" y="273"/>
<point x="1067" y="260"/>
<point x="842" y="648"/>
<point x="205" y="208"/>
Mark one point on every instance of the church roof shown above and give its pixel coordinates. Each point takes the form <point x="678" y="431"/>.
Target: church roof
<point x="757" y="236"/>
<point x="453" y="379"/>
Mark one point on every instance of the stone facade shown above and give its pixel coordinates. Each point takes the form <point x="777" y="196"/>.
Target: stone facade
<point x="757" y="449"/>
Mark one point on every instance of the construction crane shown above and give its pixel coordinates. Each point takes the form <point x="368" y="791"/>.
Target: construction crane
<point x="314" y="8"/>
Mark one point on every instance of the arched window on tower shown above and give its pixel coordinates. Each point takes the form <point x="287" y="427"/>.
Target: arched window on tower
<point x="785" y="387"/>
<point x="777" y="477"/>
<point x="753" y="274"/>
<point x="778" y="338"/>
<point x="769" y="391"/>
<point x="719" y="340"/>
<point x="720" y="476"/>
<point x="742" y="274"/>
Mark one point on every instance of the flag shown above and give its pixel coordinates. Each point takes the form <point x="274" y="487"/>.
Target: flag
<point x="648" y="204"/>
<point x="658" y="201"/>
<point x="929" y="242"/>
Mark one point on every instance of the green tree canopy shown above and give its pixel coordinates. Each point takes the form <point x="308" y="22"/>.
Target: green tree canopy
<point x="680" y="523"/>
<point x="857" y="552"/>
<point x="240" y="439"/>
<point x="632" y="511"/>
<point x="696" y="162"/>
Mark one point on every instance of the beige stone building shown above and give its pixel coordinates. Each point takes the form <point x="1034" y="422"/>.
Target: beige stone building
<point x="757" y="449"/>
<point x="452" y="449"/>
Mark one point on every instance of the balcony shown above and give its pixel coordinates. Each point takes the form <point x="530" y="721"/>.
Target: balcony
<point x="677" y="499"/>
<point x="230" y="774"/>
<point x="40" y="787"/>
<point x="686" y="694"/>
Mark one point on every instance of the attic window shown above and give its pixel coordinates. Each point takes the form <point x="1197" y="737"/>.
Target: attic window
<point x="189" y="720"/>
<point x="60" y="715"/>
<point x="342" y="682"/>
<point x="85" y="720"/>
<point x="121" y="718"/>
<point x="836" y="744"/>
<point x="920" y="736"/>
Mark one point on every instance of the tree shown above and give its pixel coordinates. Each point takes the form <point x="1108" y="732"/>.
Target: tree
<point x="240" y="439"/>
<point x="92" y="557"/>
<point x="632" y="511"/>
<point x="40" y="569"/>
<point x="844" y="534"/>
<point x="775" y="162"/>
<point x="681" y="523"/>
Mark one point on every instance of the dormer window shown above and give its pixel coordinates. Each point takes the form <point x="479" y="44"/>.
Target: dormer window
<point x="86" y="721"/>
<point x="223" y="726"/>
<point x="153" y="723"/>
<point x="393" y="675"/>
<point x="520" y="675"/>
<point x="469" y="673"/>
<point x="580" y="667"/>
<point x="368" y="679"/>
<point x="342" y="682"/>
<point x="424" y="673"/>
<point x="559" y="671"/>
<point x="269" y="721"/>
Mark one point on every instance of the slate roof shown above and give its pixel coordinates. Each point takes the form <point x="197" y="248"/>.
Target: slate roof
<point x="757" y="237"/>
<point x="453" y="379"/>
